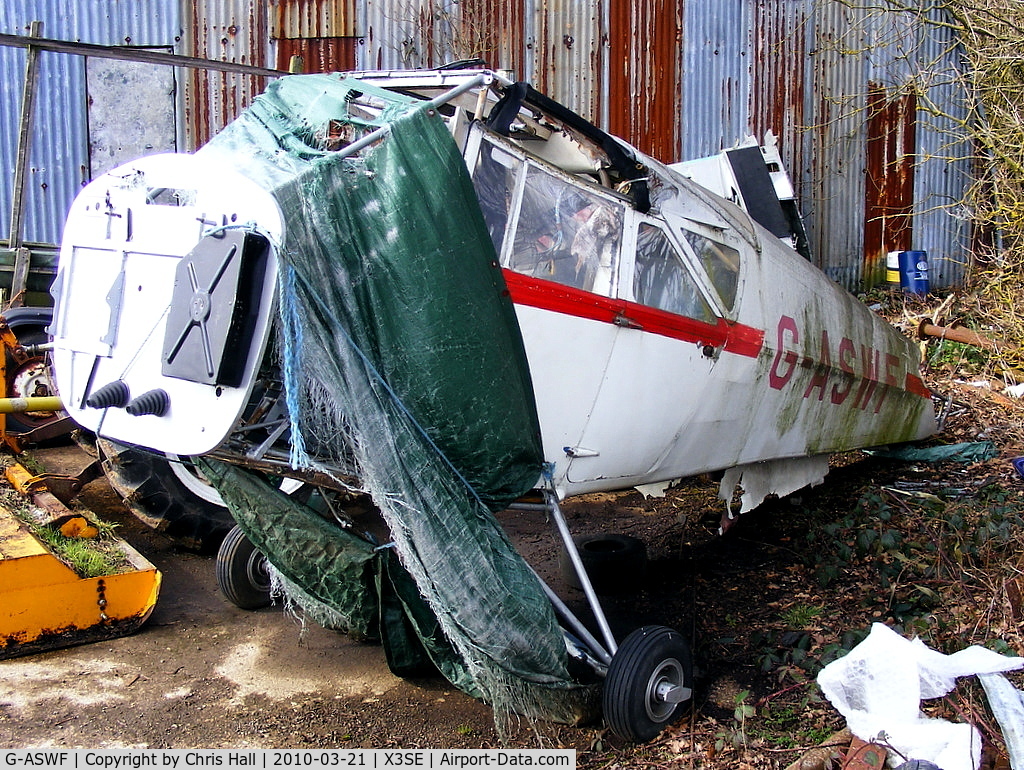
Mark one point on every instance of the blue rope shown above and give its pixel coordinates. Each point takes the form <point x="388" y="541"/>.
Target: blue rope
<point x="293" y="338"/>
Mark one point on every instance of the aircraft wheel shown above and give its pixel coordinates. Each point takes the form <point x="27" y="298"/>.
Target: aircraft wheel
<point x="242" y="574"/>
<point x="649" y="683"/>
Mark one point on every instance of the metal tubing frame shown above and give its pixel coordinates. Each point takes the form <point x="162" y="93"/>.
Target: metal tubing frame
<point x="575" y="625"/>
<point x="484" y="78"/>
<point x="581" y="572"/>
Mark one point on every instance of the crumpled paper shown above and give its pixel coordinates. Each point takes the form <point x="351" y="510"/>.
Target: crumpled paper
<point x="879" y="685"/>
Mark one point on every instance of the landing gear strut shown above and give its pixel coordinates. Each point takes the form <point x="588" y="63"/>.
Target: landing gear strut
<point x="648" y="678"/>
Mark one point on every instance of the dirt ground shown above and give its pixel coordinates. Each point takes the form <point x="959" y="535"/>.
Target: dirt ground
<point x="203" y="674"/>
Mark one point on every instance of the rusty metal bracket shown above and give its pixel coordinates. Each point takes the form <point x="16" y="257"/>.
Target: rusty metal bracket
<point x="63" y="488"/>
<point x="50" y="510"/>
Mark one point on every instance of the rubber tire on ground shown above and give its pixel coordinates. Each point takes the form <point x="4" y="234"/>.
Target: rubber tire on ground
<point x="242" y="572"/>
<point x="29" y="326"/>
<point x="146" y="481"/>
<point x="614" y="562"/>
<point x="647" y="657"/>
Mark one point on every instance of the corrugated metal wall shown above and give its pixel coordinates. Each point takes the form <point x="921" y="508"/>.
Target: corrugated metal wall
<point x="227" y="30"/>
<point x="645" y="87"/>
<point x="842" y="87"/>
<point x="59" y="156"/>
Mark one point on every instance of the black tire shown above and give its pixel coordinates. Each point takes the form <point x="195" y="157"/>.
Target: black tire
<point x="31" y="378"/>
<point x="242" y="572"/>
<point x="650" y="661"/>
<point x="158" y="492"/>
<point x="614" y="562"/>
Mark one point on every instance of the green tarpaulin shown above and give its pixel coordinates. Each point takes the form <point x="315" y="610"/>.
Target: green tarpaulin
<point x="401" y="348"/>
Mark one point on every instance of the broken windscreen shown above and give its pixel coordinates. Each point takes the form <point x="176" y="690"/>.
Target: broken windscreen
<point x="547" y="225"/>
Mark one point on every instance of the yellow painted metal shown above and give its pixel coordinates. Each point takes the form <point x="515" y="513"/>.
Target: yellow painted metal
<point x="44" y="604"/>
<point x="31" y="404"/>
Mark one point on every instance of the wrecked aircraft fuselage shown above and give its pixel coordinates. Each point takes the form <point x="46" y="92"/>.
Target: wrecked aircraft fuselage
<point x="665" y="332"/>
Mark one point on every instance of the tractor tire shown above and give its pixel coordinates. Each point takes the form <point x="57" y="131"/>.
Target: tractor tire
<point x="615" y="563"/>
<point x="31" y="378"/>
<point x="167" y="494"/>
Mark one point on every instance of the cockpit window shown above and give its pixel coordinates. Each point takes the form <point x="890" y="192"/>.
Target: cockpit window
<point x="494" y="180"/>
<point x="566" y="234"/>
<point x="545" y="224"/>
<point x="721" y="262"/>
<point x="661" y="280"/>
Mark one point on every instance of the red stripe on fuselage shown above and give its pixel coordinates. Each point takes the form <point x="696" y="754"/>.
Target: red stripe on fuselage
<point x="568" y="300"/>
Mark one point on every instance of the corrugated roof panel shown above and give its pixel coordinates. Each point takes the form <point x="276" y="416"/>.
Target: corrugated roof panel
<point x="59" y="155"/>
<point x="224" y="30"/>
<point x="294" y="19"/>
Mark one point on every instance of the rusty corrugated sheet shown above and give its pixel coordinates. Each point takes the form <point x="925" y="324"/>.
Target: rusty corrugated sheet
<point x="296" y="19"/>
<point x="889" y="177"/>
<point x="944" y="167"/>
<point x="716" y="75"/>
<point x="409" y="34"/>
<point x="493" y="31"/>
<point x="779" y="80"/>
<point x="677" y="79"/>
<point x="836" y="131"/>
<point x="566" y="43"/>
<point x="645" y="84"/>
<point x="325" y="54"/>
<point x="225" y="30"/>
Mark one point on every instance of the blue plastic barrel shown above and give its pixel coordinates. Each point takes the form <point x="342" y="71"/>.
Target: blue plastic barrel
<point x="914" y="271"/>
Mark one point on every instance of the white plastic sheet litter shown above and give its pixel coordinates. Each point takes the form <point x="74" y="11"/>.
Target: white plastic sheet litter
<point x="879" y="685"/>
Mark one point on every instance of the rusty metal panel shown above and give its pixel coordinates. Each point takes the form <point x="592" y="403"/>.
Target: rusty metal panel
<point x="836" y="135"/>
<point x="325" y="54"/>
<point x="493" y="30"/>
<point x="565" y="39"/>
<point x="944" y="164"/>
<point x="409" y="34"/>
<point x="224" y="30"/>
<point x="888" y="177"/>
<point x="294" y="19"/>
<point x="645" y="75"/>
<point x="59" y="153"/>
<point x="781" y="83"/>
<point x="885" y="168"/>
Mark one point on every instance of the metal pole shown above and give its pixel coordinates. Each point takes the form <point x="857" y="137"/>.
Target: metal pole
<point x="581" y="572"/>
<point x="135" y="55"/>
<point x="575" y="625"/>
<point x="22" y="256"/>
